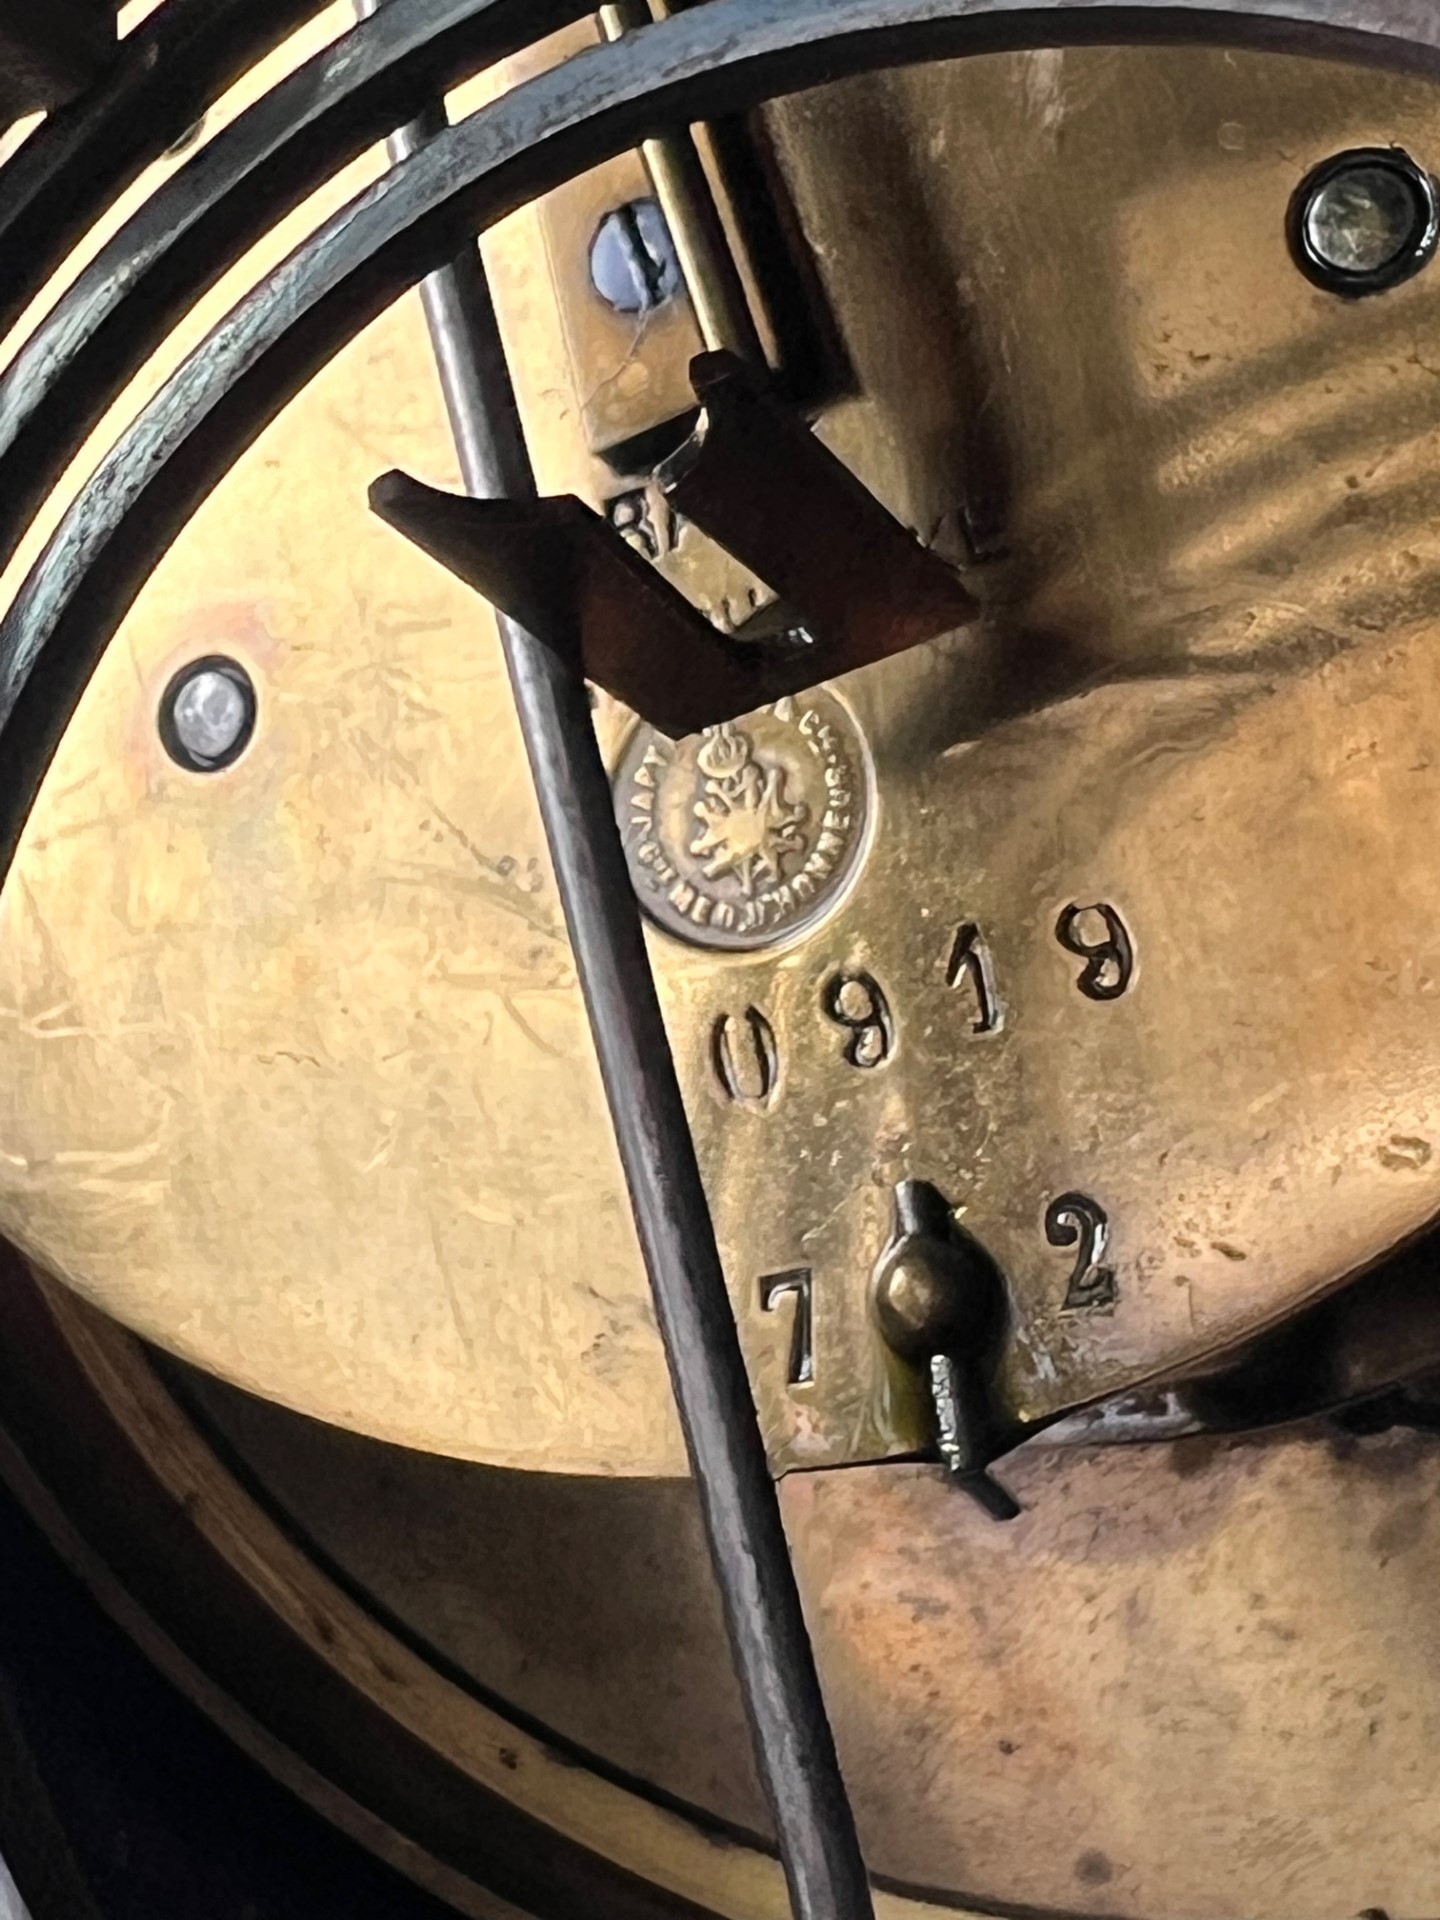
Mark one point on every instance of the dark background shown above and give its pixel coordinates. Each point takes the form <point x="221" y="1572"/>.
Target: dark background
<point x="120" y="1801"/>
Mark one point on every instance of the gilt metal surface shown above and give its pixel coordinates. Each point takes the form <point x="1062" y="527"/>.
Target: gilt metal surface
<point x="254" y="1017"/>
<point x="1133" y="963"/>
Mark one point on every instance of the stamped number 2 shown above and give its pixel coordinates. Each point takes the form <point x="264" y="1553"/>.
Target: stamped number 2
<point x="1075" y="1220"/>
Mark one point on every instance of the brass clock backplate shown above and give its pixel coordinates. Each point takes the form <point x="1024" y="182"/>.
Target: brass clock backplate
<point x="1122" y="936"/>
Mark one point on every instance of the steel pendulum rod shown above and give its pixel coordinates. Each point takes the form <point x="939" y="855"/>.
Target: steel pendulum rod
<point x="794" y="1746"/>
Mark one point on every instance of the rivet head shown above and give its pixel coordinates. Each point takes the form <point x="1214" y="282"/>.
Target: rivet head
<point x="207" y="714"/>
<point x="1364" y="221"/>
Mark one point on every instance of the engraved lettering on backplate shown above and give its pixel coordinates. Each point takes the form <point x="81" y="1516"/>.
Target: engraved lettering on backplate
<point x="751" y="832"/>
<point x="1109" y="956"/>
<point x="796" y="1284"/>
<point x="972" y="966"/>
<point x="856" y="1002"/>
<point x="1075" y="1220"/>
<point x="746" y="1057"/>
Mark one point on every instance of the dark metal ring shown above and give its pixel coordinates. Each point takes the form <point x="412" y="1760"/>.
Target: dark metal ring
<point x="77" y="162"/>
<point x="199" y="222"/>
<point x="172" y="734"/>
<point x="716" y="59"/>
<point x="1413" y="250"/>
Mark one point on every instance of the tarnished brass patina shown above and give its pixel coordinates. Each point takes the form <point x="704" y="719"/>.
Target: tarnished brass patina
<point x="1118" y="935"/>
<point x="1130" y="950"/>
<point x="1192" y="1681"/>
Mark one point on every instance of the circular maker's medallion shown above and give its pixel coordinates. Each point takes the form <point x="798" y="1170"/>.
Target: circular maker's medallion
<point x="750" y="832"/>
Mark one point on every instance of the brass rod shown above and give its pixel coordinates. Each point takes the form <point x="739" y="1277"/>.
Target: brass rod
<point x="702" y="247"/>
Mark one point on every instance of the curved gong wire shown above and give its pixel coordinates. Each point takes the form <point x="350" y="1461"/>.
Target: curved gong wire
<point x="199" y="222"/>
<point x="81" y="157"/>
<point x="715" y="59"/>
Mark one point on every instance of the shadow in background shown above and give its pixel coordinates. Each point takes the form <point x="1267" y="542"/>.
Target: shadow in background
<point x="119" y="1801"/>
